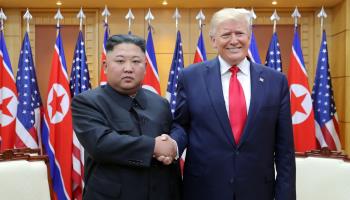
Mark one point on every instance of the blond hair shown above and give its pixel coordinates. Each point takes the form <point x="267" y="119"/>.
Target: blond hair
<point x="234" y="14"/>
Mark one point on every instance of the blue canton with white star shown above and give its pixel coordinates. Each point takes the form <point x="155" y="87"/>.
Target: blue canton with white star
<point x="322" y="93"/>
<point x="79" y="77"/>
<point x="176" y="65"/>
<point x="273" y="56"/>
<point x="28" y="92"/>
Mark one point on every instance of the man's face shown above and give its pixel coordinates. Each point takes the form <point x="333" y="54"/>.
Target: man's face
<point x="232" y="39"/>
<point x="125" y="68"/>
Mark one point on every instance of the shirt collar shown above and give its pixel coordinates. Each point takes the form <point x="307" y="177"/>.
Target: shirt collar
<point x="244" y="66"/>
<point x="127" y="101"/>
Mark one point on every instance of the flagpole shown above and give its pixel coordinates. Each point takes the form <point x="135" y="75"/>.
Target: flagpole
<point x="200" y="17"/>
<point x="200" y="54"/>
<point x="58" y="17"/>
<point x="81" y="16"/>
<point x="105" y="14"/>
<point x="274" y="17"/>
<point x="129" y="17"/>
<point x="322" y="15"/>
<point x="151" y="79"/>
<point x="176" y="16"/>
<point x="149" y="17"/>
<point x="252" y="17"/>
<point x="296" y="15"/>
<point x="27" y="16"/>
<point x="2" y="18"/>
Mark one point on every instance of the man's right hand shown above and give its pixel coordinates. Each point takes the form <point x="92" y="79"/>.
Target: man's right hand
<point x="165" y="149"/>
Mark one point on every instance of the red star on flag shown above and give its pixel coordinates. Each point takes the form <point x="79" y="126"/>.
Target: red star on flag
<point x="4" y="105"/>
<point x="296" y="106"/>
<point x="56" y="103"/>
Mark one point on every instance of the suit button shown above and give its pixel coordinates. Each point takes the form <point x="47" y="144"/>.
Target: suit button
<point x="232" y="180"/>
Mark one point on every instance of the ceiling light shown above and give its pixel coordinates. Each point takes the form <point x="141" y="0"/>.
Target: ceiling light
<point x="164" y="3"/>
<point x="59" y="3"/>
<point x="274" y="2"/>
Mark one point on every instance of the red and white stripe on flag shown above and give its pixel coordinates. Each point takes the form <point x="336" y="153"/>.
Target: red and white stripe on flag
<point x="30" y="109"/>
<point x="328" y="134"/>
<point x="301" y="102"/>
<point x="200" y="55"/>
<point x="151" y="79"/>
<point x="57" y="131"/>
<point x="78" y="169"/>
<point x="8" y="98"/>
<point x="326" y="119"/>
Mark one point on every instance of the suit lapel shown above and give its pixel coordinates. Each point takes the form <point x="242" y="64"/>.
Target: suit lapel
<point x="257" y="81"/>
<point x="214" y="89"/>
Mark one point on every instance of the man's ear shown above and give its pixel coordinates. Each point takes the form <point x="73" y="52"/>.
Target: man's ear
<point x="213" y="41"/>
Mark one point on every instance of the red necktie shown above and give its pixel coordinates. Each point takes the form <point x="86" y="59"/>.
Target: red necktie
<point x="237" y="105"/>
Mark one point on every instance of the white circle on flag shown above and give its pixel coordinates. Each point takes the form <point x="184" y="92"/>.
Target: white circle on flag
<point x="299" y="90"/>
<point x="11" y="101"/>
<point x="58" y="115"/>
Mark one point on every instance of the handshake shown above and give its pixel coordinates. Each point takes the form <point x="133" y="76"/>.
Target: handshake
<point x="165" y="149"/>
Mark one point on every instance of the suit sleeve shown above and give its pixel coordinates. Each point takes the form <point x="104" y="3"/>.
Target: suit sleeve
<point x="104" y="144"/>
<point x="181" y="116"/>
<point x="284" y="150"/>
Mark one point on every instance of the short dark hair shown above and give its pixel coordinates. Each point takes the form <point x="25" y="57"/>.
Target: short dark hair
<point x="121" y="38"/>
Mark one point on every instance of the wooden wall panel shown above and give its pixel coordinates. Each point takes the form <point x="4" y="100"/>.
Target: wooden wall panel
<point x="42" y="17"/>
<point x="12" y="32"/>
<point x="45" y="41"/>
<point x="340" y="65"/>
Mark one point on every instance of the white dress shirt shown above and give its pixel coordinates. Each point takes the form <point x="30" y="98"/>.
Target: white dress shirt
<point x="243" y="76"/>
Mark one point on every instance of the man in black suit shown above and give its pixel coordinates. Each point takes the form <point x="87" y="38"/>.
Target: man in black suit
<point x="120" y="126"/>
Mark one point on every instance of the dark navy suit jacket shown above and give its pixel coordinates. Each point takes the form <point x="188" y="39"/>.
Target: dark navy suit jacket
<point x="216" y="167"/>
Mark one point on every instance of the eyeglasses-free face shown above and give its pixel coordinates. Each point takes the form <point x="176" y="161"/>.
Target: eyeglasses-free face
<point x="232" y="39"/>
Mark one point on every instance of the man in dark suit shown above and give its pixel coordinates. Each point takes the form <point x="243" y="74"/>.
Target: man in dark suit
<point x="233" y="116"/>
<point x="120" y="126"/>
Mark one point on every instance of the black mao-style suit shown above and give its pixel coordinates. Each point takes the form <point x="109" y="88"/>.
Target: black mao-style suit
<point x="117" y="133"/>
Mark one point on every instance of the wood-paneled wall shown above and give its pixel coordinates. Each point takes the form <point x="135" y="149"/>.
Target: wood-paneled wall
<point x="340" y="66"/>
<point x="337" y="27"/>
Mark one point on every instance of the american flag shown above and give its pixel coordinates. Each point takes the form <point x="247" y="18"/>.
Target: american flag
<point x="151" y="80"/>
<point x="253" y="51"/>
<point x="103" y="78"/>
<point x="327" y="126"/>
<point x="57" y="131"/>
<point x="176" y="65"/>
<point x="300" y="98"/>
<point x="29" y="111"/>
<point x="200" y="54"/>
<point x="8" y="98"/>
<point x="79" y="82"/>
<point x="273" y="55"/>
<point x="79" y="77"/>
